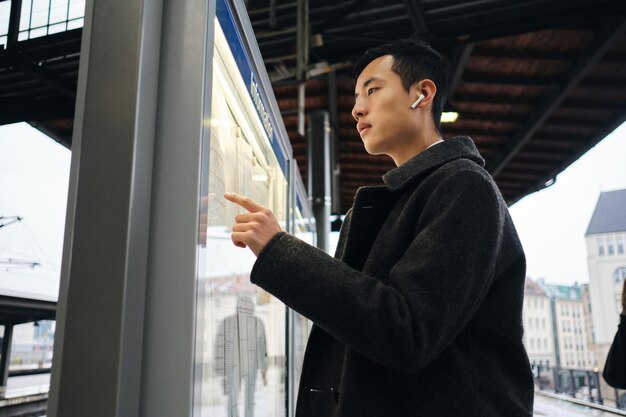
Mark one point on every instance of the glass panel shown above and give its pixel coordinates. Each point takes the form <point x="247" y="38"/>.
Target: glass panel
<point x="32" y="345"/>
<point x="77" y="9"/>
<point x="37" y="33"/>
<point x="301" y="325"/>
<point x="5" y="13"/>
<point x="3" y="42"/>
<point x="75" y="24"/>
<point x="58" y="11"/>
<point x="241" y="327"/>
<point x="40" y="14"/>
<point x="22" y="36"/>
<point x="25" y="15"/>
<point x="59" y="27"/>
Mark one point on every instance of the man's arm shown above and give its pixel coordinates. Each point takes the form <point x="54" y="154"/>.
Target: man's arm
<point x="431" y="293"/>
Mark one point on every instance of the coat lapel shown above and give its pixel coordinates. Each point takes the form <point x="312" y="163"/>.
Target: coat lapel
<point x="371" y="207"/>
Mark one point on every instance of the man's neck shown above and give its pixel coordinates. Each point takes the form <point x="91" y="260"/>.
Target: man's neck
<point x="419" y="147"/>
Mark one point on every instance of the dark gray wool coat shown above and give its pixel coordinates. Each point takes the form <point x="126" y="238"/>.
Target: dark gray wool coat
<point x="420" y="311"/>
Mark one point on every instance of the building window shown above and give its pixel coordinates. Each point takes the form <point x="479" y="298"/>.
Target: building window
<point x="620" y="274"/>
<point x="543" y="323"/>
<point x="600" y="248"/>
<point x="610" y="249"/>
<point x="620" y="248"/>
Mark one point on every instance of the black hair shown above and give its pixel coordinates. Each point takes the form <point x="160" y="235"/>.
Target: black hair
<point x="413" y="60"/>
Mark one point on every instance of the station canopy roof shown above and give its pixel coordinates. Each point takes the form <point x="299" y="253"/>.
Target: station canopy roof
<point x="536" y="83"/>
<point x="16" y="310"/>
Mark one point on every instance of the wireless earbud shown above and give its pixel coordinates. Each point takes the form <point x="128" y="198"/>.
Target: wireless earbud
<point x="418" y="101"/>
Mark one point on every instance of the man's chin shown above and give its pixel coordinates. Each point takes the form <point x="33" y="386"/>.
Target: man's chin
<point x="372" y="150"/>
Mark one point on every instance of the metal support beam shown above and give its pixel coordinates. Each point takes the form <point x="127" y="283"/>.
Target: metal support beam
<point x="460" y="56"/>
<point x="99" y="340"/>
<point x="302" y="46"/>
<point x="415" y="14"/>
<point x="302" y="59"/>
<point x="5" y="356"/>
<point x="272" y="14"/>
<point x="334" y="140"/>
<point x="339" y="15"/>
<point x="14" y="23"/>
<point x="22" y="110"/>
<point x="319" y="174"/>
<point x="49" y="80"/>
<point x="603" y="40"/>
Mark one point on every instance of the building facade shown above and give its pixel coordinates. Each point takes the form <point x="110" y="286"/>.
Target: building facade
<point x="538" y="326"/>
<point x="558" y="326"/>
<point x="606" y="260"/>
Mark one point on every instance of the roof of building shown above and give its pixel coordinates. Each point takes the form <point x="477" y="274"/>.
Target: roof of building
<point x="610" y="213"/>
<point x="562" y="292"/>
<point x="532" y="288"/>
<point x="16" y="310"/>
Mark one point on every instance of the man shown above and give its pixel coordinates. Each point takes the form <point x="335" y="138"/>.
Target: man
<point x="420" y="311"/>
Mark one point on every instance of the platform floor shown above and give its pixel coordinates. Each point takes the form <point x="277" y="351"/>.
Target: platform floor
<point x="552" y="407"/>
<point x="18" y="386"/>
<point x="544" y="406"/>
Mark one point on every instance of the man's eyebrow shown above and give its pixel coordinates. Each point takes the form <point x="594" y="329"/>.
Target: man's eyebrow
<point x="366" y="83"/>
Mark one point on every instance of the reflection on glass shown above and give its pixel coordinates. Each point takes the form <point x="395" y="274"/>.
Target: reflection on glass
<point x="241" y="328"/>
<point x="301" y="325"/>
<point x="240" y="353"/>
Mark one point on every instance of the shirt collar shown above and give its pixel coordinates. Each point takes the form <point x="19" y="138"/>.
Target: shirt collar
<point x="431" y="158"/>
<point x="434" y="143"/>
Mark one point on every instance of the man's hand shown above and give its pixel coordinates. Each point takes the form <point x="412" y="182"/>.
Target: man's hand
<point x="255" y="228"/>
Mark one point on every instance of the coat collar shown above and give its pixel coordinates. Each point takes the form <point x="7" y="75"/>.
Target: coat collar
<point x="450" y="149"/>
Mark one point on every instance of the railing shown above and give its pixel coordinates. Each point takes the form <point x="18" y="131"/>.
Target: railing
<point x="584" y="385"/>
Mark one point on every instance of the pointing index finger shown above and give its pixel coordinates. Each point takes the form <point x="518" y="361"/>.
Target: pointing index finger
<point x="243" y="201"/>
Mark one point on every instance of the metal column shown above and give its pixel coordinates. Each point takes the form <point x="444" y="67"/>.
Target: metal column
<point x="6" y="356"/>
<point x="302" y="58"/>
<point x="100" y="318"/>
<point x="319" y="174"/>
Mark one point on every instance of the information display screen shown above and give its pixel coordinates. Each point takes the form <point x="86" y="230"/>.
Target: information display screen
<point x="241" y="329"/>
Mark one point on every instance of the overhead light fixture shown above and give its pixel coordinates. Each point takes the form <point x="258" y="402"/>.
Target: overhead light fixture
<point x="449" y="116"/>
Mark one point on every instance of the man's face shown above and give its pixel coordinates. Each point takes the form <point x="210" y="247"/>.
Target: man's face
<point x="385" y="121"/>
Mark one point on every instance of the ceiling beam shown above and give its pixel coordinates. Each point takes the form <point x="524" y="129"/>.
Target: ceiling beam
<point x="13" y="111"/>
<point x="603" y="40"/>
<point x="340" y="15"/>
<point x="539" y="185"/>
<point x="492" y="79"/>
<point x="460" y="55"/>
<point x="50" y="80"/>
<point x="415" y="14"/>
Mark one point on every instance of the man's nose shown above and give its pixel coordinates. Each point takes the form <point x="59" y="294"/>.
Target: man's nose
<point x="358" y="110"/>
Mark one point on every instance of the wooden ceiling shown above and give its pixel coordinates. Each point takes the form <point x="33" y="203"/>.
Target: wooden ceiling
<point x="537" y="83"/>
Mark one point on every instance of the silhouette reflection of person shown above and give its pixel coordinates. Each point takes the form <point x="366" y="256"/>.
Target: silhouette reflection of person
<point x="240" y="351"/>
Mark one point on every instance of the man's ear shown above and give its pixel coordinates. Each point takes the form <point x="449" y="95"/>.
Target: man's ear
<point x="426" y="87"/>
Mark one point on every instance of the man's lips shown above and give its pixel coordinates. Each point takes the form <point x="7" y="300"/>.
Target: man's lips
<point x="361" y="126"/>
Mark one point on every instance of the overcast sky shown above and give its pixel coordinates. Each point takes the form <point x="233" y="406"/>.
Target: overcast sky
<point x="34" y="176"/>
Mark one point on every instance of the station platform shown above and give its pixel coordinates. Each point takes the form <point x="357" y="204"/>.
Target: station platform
<point x="34" y="389"/>
<point x="25" y="395"/>
<point x="550" y="405"/>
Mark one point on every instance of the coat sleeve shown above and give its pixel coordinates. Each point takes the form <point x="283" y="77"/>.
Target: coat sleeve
<point x="431" y="292"/>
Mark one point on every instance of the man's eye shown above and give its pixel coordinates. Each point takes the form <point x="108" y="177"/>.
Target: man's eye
<point x="370" y="91"/>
